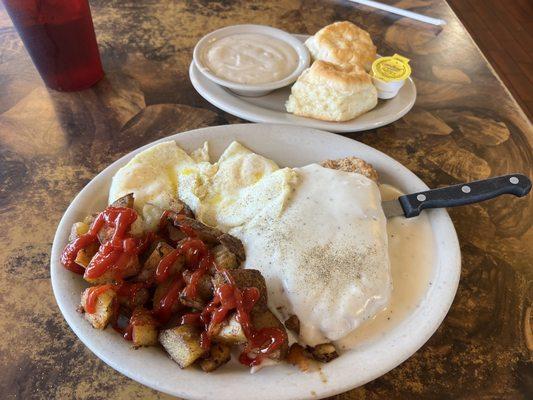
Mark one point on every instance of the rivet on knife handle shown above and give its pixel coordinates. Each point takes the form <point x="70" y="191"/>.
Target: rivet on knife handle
<point x="466" y="193"/>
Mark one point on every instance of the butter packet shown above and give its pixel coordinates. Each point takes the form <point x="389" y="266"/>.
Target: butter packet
<point x="389" y="75"/>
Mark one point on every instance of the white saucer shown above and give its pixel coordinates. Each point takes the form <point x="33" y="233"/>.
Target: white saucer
<point x="288" y="146"/>
<point x="271" y="107"/>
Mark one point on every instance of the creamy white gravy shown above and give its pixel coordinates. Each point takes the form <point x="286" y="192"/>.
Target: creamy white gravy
<point x="411" y="246"/>
<point x="325" y="257"/>
<point x="250" y="58"/>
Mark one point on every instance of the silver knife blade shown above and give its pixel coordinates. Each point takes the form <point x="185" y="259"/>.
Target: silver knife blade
<point x="392" y="208"/>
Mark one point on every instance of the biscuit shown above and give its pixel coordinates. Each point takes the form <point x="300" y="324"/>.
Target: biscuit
<point x="343" y="43"/>
<point x="332" y="93"/>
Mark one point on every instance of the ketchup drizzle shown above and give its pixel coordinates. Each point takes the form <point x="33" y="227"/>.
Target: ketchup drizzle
<point x="130" y="290"/>
<point x="261" y="343"/>
<point x="139" y="317"/>
<point x="92" y="297"/>
<point x="163" y="309"/>
<point x="194" y="251"/>
<point x="117" y="252"/>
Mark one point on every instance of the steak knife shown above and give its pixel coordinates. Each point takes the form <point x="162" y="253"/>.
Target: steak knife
<point x="410" y="205"/>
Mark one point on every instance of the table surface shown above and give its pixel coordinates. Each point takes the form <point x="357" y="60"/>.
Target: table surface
<point x="464" y="126"/>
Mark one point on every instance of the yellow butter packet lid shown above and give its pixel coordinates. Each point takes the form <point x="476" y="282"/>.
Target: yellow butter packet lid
<point x="388" y="69"/>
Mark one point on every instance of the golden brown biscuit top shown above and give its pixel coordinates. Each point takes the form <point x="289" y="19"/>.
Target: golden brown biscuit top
<point x="346" y="43"/>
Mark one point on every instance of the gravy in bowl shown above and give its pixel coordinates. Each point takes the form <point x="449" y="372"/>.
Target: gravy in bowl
<point x="250" y="58"/>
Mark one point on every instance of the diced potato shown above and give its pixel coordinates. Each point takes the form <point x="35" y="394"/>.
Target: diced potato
<point x="178" y="208"/>
<point x="84" y="256"/>
<point x="224" y="258"/>
<point x="144" y="328"/>
<point x="234" y="245"/>
<point x="247" y="278"/>
<point x="78" y="229"/>
<point x="150" y="265"/>
<point x="160" y="291"/>
<point x="105" y="308"/>
<point x="324" y="352"/>
<point x="124" y="201"/>
<point x="231" y="332"/>
<point x="205" y="233"/>
<point x="266" y="319"/>
<point x="299" y="357"/>
<point x="144" y="335"/>
<point x="148" y="252"/>
<point x="209" y="235"/>
<point x="219" y="354"/>
<point x="132" y="268"/>
<point x="217" y="280"/>
<point x="182" y="344"/>
<point x="106" y="233"/>
<point x="161" y="250"/>
<point x="175" y="234"/>
<point x="204" y="288"/>
<point x="196" y="303"/>
<point x="293" y="324"/>
<point x="140" y="297"/>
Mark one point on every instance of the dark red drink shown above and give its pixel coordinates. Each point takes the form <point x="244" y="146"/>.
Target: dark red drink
<point x="59" y="36"/>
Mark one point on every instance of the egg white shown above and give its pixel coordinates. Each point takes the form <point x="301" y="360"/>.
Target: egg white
<point x="222" y="194"/>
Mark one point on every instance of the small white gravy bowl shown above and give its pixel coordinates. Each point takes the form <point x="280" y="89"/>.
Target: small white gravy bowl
<point x="245" y="89"/>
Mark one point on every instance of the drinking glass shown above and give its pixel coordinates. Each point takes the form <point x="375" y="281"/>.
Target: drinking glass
<point x="59" y="36"/>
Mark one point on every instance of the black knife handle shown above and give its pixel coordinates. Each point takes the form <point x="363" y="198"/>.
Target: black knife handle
<point x="466" y="193"/>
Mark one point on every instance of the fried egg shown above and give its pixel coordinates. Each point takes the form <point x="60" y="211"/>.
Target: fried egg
<point x="155" y="175"/>
<point x="224" y="194"/>
<point x="245" y="183"/>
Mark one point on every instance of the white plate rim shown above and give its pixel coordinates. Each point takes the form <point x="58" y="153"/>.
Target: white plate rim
<point x="229" y="102"/>
<point x="445" y="283"/>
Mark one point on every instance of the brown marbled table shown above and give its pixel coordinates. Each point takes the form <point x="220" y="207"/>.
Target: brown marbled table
<point x="464" y="126"/>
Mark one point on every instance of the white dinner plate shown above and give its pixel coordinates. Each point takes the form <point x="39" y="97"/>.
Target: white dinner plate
<point x="288" y="146"/>
<point x="271" y="107"/>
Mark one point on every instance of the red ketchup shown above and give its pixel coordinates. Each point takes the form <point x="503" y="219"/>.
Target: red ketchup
<point x="164" y="219"/>
<point x="176" y="216"/>
<point x="163" y="309"/>
<point x="261" y="343"/>
<point x="130" y="290"/>
<point x="116" y="253"/>
<point x="228" y="297"/>
<point x="139" y="317"/>
<point x="70" y="252"/>
<point x="194" y="251"/>
<point x="205" y="264"/>
<point x="92" y="297"/>
<point x="193" y="318"/>
<point x="128" y="332"/>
